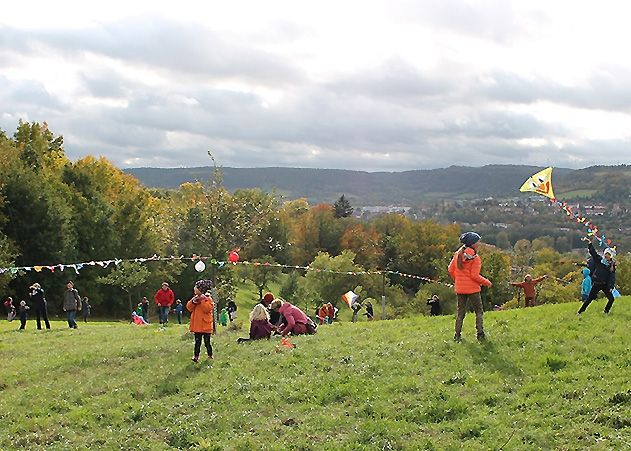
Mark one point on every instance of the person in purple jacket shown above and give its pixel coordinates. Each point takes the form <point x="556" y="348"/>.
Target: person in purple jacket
<point x="296" y="321"/>
<point x="260" y="327"/>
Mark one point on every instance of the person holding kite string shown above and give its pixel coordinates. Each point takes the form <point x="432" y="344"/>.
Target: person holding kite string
<point x="464" y="270"/>
<point x="603" y="276"/>
<point x="528" y="285"/>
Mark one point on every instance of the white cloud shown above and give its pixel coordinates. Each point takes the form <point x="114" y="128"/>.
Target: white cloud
<point x="384" y="85"/>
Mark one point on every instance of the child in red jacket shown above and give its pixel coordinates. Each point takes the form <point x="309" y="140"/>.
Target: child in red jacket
<point x="464" y="270"/>
<point x="201" y="308"/>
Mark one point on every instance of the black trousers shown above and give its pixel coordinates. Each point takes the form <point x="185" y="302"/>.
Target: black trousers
<point x="596" y="287"/>
<point x="198" y="343"/>
<point x="23" y="321"/>
<point x="41" y="312"/>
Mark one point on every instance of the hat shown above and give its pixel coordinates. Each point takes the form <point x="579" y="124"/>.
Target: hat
<point x="165" y="284"/>
<point x="611" y="252"/>
<point x="204" y="285"/>
<point x="469" y="238"/>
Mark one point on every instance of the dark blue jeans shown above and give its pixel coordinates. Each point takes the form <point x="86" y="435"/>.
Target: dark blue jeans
<point x="71" y="315"/>
<point x="163" y="312"/>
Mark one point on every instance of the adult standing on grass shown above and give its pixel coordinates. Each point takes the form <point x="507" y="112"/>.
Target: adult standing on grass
<point x="39" y="304"/>
<point x="464" y="270"/>
<point x="370" y="313"/>
<point x="201" y="325"/>
<point x="72" y="303"/>
<point x="529" y="286"/>
<point x="603" y="276"/>
<point x="164" y="298"/>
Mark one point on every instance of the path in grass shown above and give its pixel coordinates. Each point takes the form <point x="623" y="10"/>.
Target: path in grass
<point x="545" y="379"/>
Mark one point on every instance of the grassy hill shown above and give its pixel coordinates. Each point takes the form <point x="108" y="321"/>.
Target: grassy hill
<point x="545" y="379"/>
<point x="399" y="188"/>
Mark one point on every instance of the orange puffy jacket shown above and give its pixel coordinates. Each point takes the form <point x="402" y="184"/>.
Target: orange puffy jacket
<point x="467" y="280"/>
<point x="201" y="315"/>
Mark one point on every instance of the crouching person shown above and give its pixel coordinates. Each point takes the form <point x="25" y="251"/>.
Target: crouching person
<point x="296" y="321"/>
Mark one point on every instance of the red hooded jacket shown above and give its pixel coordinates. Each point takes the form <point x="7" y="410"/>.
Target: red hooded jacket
<point x="467" y="279"/>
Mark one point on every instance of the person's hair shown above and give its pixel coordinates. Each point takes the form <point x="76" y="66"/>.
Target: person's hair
<point x="259" y="312"/>
<point x="459" y="256"/>
<point x="276" y="303"/>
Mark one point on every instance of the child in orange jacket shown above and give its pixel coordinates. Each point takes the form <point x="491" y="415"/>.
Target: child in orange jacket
<point x="464" y="269"/>
<point x="201" y="308"/>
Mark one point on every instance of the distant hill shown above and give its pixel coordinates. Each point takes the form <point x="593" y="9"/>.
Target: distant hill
<point x="398" y="188"/>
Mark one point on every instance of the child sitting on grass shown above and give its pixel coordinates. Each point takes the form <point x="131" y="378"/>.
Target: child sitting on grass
<point x="260" y="327"/>
<point x="201" y="308"/>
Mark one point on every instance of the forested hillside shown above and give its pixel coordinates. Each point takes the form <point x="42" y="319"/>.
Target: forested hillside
<point x="400" y="188"/>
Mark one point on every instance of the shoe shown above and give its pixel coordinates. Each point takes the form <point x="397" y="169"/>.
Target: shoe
<point x="481" y="337"/>
<point x="210" y="357"/>
<point x="457" y="338"/>
<point x="195" y="359"/>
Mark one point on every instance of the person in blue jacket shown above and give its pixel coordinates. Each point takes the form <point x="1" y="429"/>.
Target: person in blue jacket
<point x="586" y="286"/>
<point x="603" y="276"/>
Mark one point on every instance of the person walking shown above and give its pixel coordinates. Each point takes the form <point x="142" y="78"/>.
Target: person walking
<point x="39" y="305"/>
<point x="201" y="325"/>
<point x="603" y="276"/>
<point x="464" y="269"/>
<point x="72" y="303"/>
<point x="164" y="299"/>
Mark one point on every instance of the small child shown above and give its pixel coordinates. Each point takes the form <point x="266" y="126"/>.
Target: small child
<point x="260" y="327"/>
<point x="586" y="286"/>
<point x="138" y="320"/>
<point x="201" y="308"/>
<point x="23" y="314"/>
<point x="223" y="317"/>
<point x="179" y="308"/>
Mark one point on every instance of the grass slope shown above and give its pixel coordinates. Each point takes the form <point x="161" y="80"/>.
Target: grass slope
<point x="544" y="380"/>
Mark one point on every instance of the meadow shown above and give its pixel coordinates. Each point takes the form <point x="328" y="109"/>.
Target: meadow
<point x="545" y="379"/>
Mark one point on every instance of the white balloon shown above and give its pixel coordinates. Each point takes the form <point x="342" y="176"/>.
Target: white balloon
<point x="200" y="266"/>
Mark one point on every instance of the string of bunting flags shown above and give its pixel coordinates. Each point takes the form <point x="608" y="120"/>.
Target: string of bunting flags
<point x="76" y="267"/>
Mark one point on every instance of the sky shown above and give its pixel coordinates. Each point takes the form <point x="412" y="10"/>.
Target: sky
<point x="365" y="85"/>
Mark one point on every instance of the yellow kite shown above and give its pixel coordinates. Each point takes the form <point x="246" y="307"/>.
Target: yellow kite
<point x="540" y="183"/>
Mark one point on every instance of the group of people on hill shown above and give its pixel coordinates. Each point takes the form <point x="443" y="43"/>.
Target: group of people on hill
<point x="38" y="305"/>
<point x="270" y="315"/>
<point x="464" y="269"/>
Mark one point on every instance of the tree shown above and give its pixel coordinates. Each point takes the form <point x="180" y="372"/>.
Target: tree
<point x="502" y="241"/>
<point x="261" y="272"/>
<point x="342" y="207"/>
<point x="496" y="268"/>
<point x="126" y="276"/>
<point x="331" y="277"/>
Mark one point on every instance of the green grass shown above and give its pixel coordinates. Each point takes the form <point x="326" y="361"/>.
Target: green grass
<point x="578" y="193"/>
<point x="545" y="379"/>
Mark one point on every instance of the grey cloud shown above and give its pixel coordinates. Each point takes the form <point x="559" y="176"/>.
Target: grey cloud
<point x="606" y="89"/>
<point x="161" y="44"/>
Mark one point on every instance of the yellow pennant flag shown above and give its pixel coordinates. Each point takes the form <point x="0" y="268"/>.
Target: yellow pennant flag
<point x="540" y="183"/>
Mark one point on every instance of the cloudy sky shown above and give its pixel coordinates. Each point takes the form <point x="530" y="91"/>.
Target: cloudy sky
<point x="371" y="85"/>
